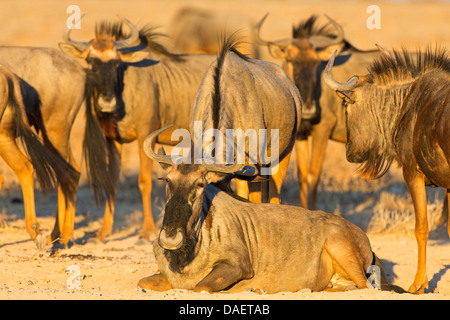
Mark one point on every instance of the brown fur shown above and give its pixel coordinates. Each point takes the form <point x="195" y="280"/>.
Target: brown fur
<point x="237" y="246"/>
<point x="323" y="114"/>
<point x="242" y="93"/>
<point x="47" y="165"/>
<point x="52" y="88"/>
<point x="152" y="88"/>
<point x="402" y="112"/>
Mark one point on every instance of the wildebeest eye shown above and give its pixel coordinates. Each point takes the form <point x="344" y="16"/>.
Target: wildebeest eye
<point x="201" y="184"/>
<point x="167" y="180"/>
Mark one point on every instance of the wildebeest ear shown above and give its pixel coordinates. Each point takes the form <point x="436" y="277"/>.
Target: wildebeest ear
<point x="277" y="51"/>
<point x="72" y="50"/>
<point x="163" y="153"/>
<point x="132" y="57"/>
<point x="212" y="177"/>
<point x="347" y="95"/>
<point x="325" y="53"/>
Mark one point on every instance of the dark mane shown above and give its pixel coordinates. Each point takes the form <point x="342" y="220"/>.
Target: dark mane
<point x="403" y="66"/>
<point x="309" y="28"/>
<point x="147" y="35"/>
<point x="394" y="77"/>
<point x="229" y="44"/>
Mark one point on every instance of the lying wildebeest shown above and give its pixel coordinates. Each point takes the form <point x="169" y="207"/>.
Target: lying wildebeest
<point x="49" y="167"/>
<point x="304" y="58"/>
<point x="401" y="111"/>
<point x="52" y="86"/>
<point x="136" y="86"/>
<point x="195" y="30"/>
<point x="250" y="96"/>
<point x="213" y="240"/>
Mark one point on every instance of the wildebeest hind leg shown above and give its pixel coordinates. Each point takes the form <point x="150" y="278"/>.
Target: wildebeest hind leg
<point x="22" y="167"/>
<point x="347" y="261"/>
<point x="65" y="220"/>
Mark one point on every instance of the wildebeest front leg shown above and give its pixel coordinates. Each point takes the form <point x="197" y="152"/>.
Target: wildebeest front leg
<point x="446" y="205"/>
<point x="416" y="186"/>
<point x="302" y="153"/>
<point x="277" y="180"/>
<point x="145" y="186"/>
<point x="156" y="282"/>
<point x="221" y="277"/>
<point x="445" y="214"/>
<point x="114" y="156"/>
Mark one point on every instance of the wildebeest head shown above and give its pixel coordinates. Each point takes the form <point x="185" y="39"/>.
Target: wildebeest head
<point x="105" y="56"/>
<point x="360" y="127"/>
<point x="370" y="112"/>
<point x="185" y="187"/>
<point x="303" y="53"/>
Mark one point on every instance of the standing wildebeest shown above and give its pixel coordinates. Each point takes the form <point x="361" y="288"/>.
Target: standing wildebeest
<point x="53" y="89"/>
<point x="48" y="166"/>
<point x="401" y="111"/>
<point x="137" y="86"/>
<point x="213" y="240"/>
<point x="249" y="95"/>
<point x="304" y="58"/>
<point x="195" y="30"/>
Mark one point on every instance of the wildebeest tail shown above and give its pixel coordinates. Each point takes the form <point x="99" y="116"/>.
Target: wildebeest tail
<point x="381" y="268"/>
<point x="229" y="44"/>
<point x="95" y="149"/>
<point x="49" y="167"/>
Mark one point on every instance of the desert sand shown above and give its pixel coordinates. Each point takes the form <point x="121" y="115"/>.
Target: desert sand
<point x="381" y="208"/>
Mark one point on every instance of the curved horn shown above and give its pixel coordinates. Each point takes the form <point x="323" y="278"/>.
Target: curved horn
<point x="340" y="30"/>
<point x="132" y="38"/>
<point x="257" y="29"/>
<point x="333" y="84"/>
<point x="152" y="154"/>
<point x="386" y="52"/>
<point x="80" y="45"/>
<point x="232" y="168"/>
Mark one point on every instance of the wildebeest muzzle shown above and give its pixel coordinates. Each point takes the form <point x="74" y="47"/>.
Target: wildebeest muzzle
<point x="174" y="231"/>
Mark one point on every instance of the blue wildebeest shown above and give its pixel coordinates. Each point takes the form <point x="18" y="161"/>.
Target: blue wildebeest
<point x="212" y="240"/>
<point x="52" y="87"/>
<point x="136" y="86"/>
<point x="248" y="95"/>
<point x="304" y="58"/>
<point x="48" y="165"/>
<point x="195" y="30"/>
<point x="401" y="111"/>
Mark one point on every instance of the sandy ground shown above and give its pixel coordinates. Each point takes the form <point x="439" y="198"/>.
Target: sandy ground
<point x="111" y="271"/>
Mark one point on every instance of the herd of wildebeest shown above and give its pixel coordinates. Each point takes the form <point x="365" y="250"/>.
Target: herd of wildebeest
<point x="394" y="106"/>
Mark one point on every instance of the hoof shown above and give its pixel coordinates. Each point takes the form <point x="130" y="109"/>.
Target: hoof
<point x="143" y="242"/>
<point x="156" y="282"/>
<point x="95" y="241"/>
<point x="417" y="289"/>
<point x="40" y="241"/>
